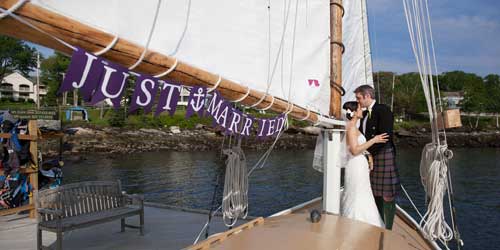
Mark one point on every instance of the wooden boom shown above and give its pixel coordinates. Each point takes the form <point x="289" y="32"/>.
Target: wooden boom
<point x="126" y="53"/>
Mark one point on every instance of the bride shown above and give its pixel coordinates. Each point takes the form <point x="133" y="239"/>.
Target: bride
<point x="357" y="199"/>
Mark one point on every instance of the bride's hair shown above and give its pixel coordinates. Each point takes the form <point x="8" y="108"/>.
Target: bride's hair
<point x="350" y="108"/>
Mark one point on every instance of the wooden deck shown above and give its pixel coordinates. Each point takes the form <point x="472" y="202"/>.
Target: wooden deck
<point x="165" y="228"/>
<point x="293" y="230"/>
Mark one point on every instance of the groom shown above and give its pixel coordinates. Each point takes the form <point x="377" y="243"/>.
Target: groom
<point x="384" y="178"/>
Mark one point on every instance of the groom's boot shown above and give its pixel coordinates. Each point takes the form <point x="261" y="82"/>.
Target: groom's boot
<point x="379" y="201"/>
<point x="389" y="213"/>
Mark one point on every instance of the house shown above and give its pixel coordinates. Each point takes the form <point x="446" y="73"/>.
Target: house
<point x="184" y="95"/>
<point x="452" y="99"/>
<point x="17" y="87"/>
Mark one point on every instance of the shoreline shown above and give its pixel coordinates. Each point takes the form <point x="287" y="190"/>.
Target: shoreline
<point x="123" y="141"/>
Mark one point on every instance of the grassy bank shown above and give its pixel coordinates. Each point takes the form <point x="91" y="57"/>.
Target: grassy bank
<point x="119" y="118"/>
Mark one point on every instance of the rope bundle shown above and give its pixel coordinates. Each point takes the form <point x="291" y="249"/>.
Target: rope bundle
<point x="434" y="170"/>
<point x="235" y="197"/>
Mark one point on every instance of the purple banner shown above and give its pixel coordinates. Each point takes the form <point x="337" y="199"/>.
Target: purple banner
<point x="263" y="125"/>
<point x="112" y="84"/>
<point x="84" y="73"/>
<point x="219" y="109"/>
<point x="271" y="127"/>
<point x="144" y="93"/>
<point x="239" y="123"/>
<point x="169" y="97"/>
<point x="98" y="80"/>
<point x="196" y="101"/>
<point x="247" y="125"/>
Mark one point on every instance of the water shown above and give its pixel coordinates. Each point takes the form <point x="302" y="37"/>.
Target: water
<point x="188" y="179"/>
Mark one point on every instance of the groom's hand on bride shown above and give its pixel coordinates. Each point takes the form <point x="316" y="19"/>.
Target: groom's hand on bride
<point x="382" y="138"/>
<point x="370" y="162"/>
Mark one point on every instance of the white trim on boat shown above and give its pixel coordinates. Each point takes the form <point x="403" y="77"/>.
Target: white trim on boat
<point x="407" y="216"/>
<point x="295" y="208"/>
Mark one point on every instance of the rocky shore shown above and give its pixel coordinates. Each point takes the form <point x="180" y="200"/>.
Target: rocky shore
<point x="114" y="140"/>
<point x="457" y="139"/>
<point x="119" y="141"/>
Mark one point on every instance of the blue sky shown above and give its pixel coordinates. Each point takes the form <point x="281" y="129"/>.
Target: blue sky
<point x="466" y="35"/>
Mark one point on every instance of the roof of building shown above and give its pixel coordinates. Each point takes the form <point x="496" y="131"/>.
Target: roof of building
<point x="18" y="79"/>
<point x="453" y="94"/>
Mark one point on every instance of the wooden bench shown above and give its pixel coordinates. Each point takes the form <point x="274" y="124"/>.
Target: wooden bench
<point x="84" y="204"/>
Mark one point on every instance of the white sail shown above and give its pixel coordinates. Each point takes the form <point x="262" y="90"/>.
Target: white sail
<point x="356" y="62"/>
<point x="283" y="43"/>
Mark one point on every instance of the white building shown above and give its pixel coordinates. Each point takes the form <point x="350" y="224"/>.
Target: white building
<point x="452" y="99"/>
<point x="17" y="87"/>
<point x="184" y="95"/>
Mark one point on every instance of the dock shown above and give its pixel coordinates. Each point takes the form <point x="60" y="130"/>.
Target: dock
<point x="165" y="228"/>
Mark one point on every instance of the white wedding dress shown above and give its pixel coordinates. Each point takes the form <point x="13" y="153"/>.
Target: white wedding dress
<point x="357" y="199"/>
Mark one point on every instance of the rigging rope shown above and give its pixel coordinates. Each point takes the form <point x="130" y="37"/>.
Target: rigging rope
<point x="258" y="165"/>
<point x="235" y="196"/>
<point x="434" y="170"/>
<point x="18" y="18"/>
<point x="150" y="35"/>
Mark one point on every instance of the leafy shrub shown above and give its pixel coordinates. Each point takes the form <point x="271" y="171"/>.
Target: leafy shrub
<point x="118" y="118"/>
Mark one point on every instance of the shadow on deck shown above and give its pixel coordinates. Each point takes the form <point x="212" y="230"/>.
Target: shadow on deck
<point x="165" y="228"/>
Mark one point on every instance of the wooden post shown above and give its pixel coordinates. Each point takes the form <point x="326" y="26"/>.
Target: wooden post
<point x="64" y="98"/>
<point x="75" y="98"/>
<point x="33" y="176"/>
<point x="101" y="112"/>
<point x="392" y="96"/>
<point x="336" y="50"/>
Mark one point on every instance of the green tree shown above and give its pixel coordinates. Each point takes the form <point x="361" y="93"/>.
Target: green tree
<point x="457" y="80"/>
<point x="475" y="93"/>
<point x="53" y="69"/>
<point x="492" y="84"/>
<point x="408" y="95"/>
<point x="15" y="55"/>
<point x="383" y="86"/>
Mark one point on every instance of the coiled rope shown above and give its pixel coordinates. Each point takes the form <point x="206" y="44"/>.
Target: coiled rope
<point x="235" y="196"/>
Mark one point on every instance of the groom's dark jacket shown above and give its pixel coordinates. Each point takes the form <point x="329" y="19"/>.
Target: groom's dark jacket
<point x="380" y="121"/>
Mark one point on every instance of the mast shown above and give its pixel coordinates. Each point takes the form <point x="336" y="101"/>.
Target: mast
<point x="336" y="50"/>
<point x="331" y="137"/>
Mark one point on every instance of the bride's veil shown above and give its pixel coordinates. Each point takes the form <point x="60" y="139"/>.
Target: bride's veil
<point x="319" y="154"/>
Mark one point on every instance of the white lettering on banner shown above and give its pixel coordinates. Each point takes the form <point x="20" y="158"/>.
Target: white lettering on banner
<point x="246" y="128"/>
<point x="200" y="97"/>
<point x="105" y="82"/>
<point x="271" y="128"/>
<point x="170" y="93"/>
<point x="262" y="127"/>
<point x="146" y="92"/>
<point x="223" y="114"/>
<point x="213" y="108"/>
<point x="90" y="59"/>
<point x="234" y="122"/>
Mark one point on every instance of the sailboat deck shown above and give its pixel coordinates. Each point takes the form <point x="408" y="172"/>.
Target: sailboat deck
<point x="295" y="231"/>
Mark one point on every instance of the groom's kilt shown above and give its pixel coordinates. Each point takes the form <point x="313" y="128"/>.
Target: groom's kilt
<point x="384" y="177"/>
